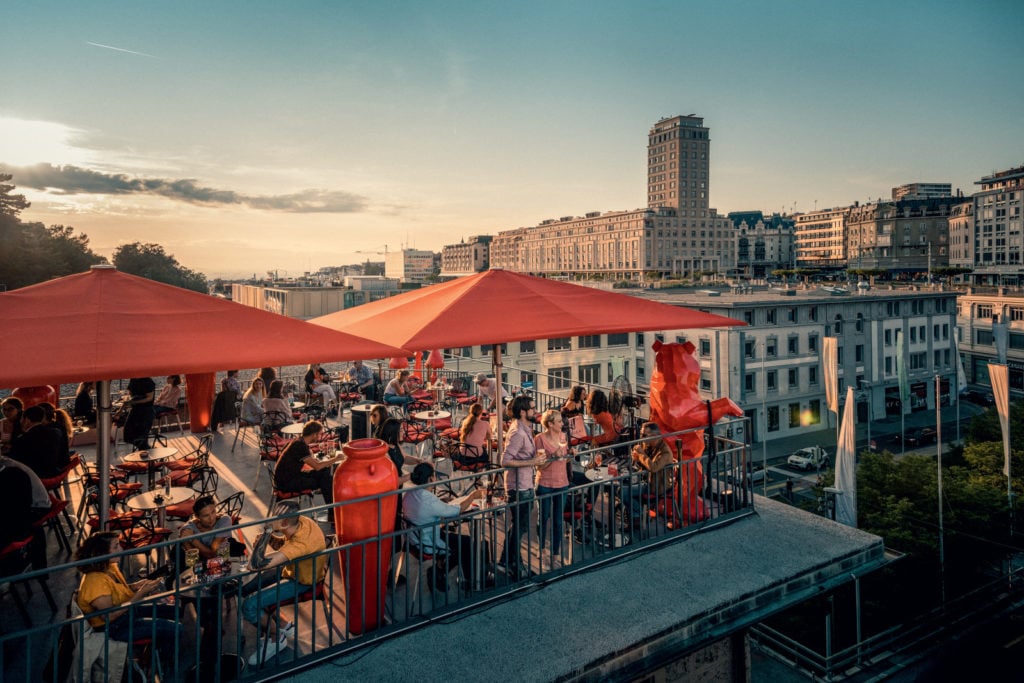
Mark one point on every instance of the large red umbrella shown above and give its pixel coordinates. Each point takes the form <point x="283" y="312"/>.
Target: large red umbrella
<point x="498" y="306"/>
<point x="104" y="324"/>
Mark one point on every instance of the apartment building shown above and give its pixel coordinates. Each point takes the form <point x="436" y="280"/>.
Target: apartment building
<point x="677" y="235"/>
<point x="763" y="244"/>
<point x="469" y="256"/>
<point x="998" y="240"/>
<point x="905" y="236"/>
<point x="311" y="302"/>
<point x="409" y="265"/>
<point x="922" y="191"/>
<point x="986" y="321"/>
<point x="821" y="239"/>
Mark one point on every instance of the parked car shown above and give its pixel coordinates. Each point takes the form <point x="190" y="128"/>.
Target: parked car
<point x="980" y="398"/>
<point x="808" y="458"/>
<point x="920" y="437"/>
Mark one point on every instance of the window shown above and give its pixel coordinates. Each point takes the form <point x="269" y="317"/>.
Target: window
<point x="705" y="380"/>
<point x="750" y="382"/>
<point x="748" y="317"/>
<point x="812" y="343"/>
<point x="793" y="346"/>
<point x="639" y="340"/>
<point x="487" y="349"/>
<point x="913" y="335"/>
<point x="984" y="311"/>
<point x="887" y="335"/>
<point x="773" y="418"/>
<point x="794" y="378"/>
<point x="812" y="313"/>
<point x="791" y="315"/>
<point x="771" y="347"/>
<point x="888" y="365"/>
<point x="794" y="415"/>
<point x="838" y="324"/>
<point x="641" y="370"/>
<point x="814" y="412"/>
<point x="705" y="348"/>
<point x="812" y="375"/>
<point x="559" y="378"/>
<point x="983" y="337"/>
<point x="839" y="355"/>
<point x="592" y="341"/>
<point x="560" y="344"/>
<point x="772" y="380"/>
<point x="467" y="352"/>
<point x="860" y="322"/>
<point x="750" y="348"/>
<point x="770" y="315"/>
<point x="858" y="353"/>
<point x="590" y="374"/>
<point x="528" y="347"/>
<point x="621" y="339"/>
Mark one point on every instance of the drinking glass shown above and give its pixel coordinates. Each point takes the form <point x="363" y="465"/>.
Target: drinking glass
<point x="585" y="462"/>
<point x="597" y="459"/>
<point x="191" y="557"/>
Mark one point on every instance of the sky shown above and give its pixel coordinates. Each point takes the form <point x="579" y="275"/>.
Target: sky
<point x="254" y="136"/>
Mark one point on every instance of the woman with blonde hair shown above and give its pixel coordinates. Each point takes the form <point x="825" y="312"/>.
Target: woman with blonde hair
<point x="252" y="401"/>
<point x="552" y="481"/>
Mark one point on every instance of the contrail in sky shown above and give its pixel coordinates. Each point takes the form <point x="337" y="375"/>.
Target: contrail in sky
<point x="120" y="49"/>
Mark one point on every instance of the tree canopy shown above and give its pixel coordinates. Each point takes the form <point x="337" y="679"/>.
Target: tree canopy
<point x="152" y="262"/>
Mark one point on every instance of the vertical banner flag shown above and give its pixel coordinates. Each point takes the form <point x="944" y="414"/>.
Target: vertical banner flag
<point x="901" y="373"/>
<point x="846" y="465"/>
<point x="961" y="376"/>
<point x="831" y="363"/>
<point x="999" y="338"/>
<point x="1000" y="376"/>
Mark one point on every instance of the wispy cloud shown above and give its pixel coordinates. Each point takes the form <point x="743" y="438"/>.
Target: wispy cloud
<point x="74" y="180"/>
<point x="121" y="49"/>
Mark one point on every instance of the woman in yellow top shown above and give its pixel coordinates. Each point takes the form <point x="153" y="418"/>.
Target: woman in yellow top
<point x="103" y="587"/>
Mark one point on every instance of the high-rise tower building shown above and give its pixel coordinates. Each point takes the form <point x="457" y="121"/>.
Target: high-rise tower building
<point x="678" y="158"/>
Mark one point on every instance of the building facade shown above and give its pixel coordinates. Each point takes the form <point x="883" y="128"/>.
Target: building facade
<point x="979" y="316"/>
<point x="677" y="235"/>
<point x="409" y="265"/>
<point x="922" y="191"/>
<point x="763" y="244"/>
<point x="467" y="257"/>
<point x="906" y="236"/>
<point x="821" y="239"/>
<point x="312" y="302"/>
<point x="998" y="236"/>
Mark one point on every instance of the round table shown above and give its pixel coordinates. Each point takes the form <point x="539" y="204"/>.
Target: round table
<point x="431" y="415"/>
<point x="153" y="457"/>
<point x="294" y="429"/>
<point x="159" y="500"/>
<point x="296" y="405"/>
<point x="596" y="473"/>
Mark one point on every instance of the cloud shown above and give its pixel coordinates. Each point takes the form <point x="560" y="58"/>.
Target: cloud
<point x="74" y="180"/>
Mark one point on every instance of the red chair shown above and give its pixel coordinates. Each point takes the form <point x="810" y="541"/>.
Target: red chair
<point x="15" y="557"/>
<point x="278" y="495"/>
<point x="199" y="457"/>
<point x="58" y="482"/>
<point x="51" y="520"/>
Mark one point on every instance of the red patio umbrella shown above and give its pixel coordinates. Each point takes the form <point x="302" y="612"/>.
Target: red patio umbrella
<point x="498" y="306"/>
<point x="104" y="324"/>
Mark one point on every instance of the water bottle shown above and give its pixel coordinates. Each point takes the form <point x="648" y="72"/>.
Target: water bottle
<point x="167" y="485"/>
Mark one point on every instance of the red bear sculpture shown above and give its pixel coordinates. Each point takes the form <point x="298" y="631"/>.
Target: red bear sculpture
<point x="676" y="406"/>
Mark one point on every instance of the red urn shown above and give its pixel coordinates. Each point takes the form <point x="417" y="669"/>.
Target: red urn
<point x="366" y="471"/>
<point x="33" y="396"/>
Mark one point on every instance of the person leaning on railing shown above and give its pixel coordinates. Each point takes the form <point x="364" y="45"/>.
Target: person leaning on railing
<point x="290" y="540"/>
<point x="103" y="587"/>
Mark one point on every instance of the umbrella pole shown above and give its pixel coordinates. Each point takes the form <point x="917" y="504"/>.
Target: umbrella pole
<point x="499" y="405"/>
<point x="103" y="448"/>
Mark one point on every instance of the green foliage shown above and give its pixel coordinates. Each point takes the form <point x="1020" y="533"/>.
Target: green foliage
<point x="370" y="268"/>
<point x="985" y="427"/>
<point x="10" y="204"/>
<point x="152" y="262"/>
<point x="33" y="253"/>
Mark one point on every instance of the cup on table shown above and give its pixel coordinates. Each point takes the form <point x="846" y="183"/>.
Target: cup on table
<point x="191" y="557"/>
<point x="597" y="459"/>
<point x="613" y="470"/>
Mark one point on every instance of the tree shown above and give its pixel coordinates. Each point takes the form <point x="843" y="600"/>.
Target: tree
<point x="10" y="204"/>
<point x="33" y="253"/>
<point x="152" y="262"/>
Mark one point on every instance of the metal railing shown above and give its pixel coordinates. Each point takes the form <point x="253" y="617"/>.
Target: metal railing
<point x="603" y="518"/>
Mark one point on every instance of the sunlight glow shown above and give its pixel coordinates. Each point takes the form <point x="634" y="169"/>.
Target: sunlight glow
<point x="24" y="142"/>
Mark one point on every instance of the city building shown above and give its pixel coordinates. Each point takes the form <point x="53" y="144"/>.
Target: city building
<point x="409" y="265"/>
<point x="979" y="317"/>
<point x="821" y="239"/>
<point x="922" y="191"/>
<point x="763" y="244"/>
<point x="998" y="240"/>
<point x="961" y="235"/>
<point x="902" y="237"/>
<point x="311" y="302"/>
<point x="469" y="256"/>
<point x="677" y="235"/>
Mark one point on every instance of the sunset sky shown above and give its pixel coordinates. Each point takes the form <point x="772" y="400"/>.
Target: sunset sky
<point x="249" y="136"/>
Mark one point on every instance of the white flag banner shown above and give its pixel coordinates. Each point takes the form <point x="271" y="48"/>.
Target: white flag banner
<point x="846" y="465"/>
<point x="1000" y="376"/>
<point x="961" y="376"/>
<point x="830" y="361"/>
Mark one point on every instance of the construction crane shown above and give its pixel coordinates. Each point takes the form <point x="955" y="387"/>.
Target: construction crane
<point x="375" y="251"/>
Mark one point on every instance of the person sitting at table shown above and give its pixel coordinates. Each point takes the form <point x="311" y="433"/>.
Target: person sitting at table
<point x="474" y="432"/>
<point x="315" y="384"/>
<point x="103" y="587"/>
<point x="59" y="420"/>
<point x="140" y="415"/>
<point x="41" y="448"/>
<point x="597" y="408"/>
<point x="388" y="430"/>
<point x="289" y="474"/>
<point x="573" y="405"/>
<point x="295" y="537"/>
<point x="252" y="402"/>
<point x="422" y="508"/>
<point x="205" y="518"/>
<point x="166" y="402"/>
<point x="396" y="393"/>
<point x="362" y="377"/>
<point x="84" y="408"/>
<point x="276" y="411"/>
<point x="490" y="389"/>
<point x="654" y="457"/>
<point x="23" y="500"/>
<point x="10" y="425"/>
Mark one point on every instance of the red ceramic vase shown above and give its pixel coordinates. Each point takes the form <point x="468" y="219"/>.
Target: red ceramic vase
<point x="366" y="471"/>
<point x="33" y="396"/>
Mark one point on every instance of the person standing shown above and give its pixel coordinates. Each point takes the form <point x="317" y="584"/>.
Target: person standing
<point x="552" y="481"/>
<point x="141" y="391"/>
<point x="491" y="389"/>
<point x="84" y="408"/>
<point x="520" y="456"/>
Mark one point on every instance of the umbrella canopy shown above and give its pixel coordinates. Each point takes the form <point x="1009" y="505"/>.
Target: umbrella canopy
<point x="104" y="324"/>
<point x="498" y="306"/>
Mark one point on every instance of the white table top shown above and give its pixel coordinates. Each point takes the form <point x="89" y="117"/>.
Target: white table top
<point x="293" y="429"/>
<point x="158" y="454"/>
<point x="297" y="405"/>
<point x="362" y="407"/>
<point x="147" y="500"/>
<point x="431" y="415"/>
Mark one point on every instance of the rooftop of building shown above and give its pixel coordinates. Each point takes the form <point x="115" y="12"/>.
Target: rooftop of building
<point x="795" y="294"/>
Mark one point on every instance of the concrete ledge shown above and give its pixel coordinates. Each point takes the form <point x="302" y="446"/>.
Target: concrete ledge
<point x="633" y="613"/>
